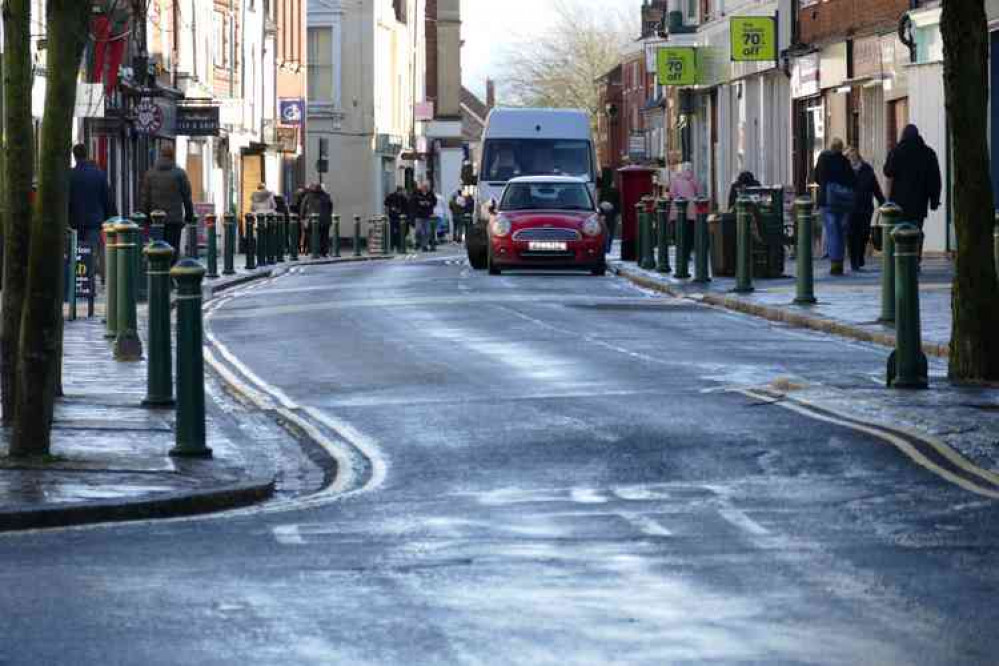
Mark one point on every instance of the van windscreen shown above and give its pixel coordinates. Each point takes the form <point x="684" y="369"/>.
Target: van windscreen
<point x="504" y="159"/>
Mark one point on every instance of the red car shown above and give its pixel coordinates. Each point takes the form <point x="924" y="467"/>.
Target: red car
<point x="546" y="222"/>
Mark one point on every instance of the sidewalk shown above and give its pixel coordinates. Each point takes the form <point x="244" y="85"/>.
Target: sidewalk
<point x="110" y="455"/>
<point x="963" y="421"/>
<point x="847" y="306"/>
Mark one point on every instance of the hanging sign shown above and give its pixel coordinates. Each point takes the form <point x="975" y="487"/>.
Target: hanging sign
<point x="197" y="121"/>
<point x="754" y="38"/>
<point x="677" y="66"/>
<point x="148" y="117"/>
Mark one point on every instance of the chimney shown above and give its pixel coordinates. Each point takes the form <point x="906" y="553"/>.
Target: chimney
<point x="490" y="93"/>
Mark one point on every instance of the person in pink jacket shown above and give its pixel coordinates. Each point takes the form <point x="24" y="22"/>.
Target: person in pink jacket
<point x="685" y="184"/>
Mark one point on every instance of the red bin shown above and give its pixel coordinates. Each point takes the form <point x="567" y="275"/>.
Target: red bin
<point x="636" y="182"/>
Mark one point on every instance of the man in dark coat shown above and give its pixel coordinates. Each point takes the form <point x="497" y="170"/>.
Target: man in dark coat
<point x="396" y="204"/>
<point x="166" y="187"/>
<point x="914" y="178"/>
<point x="836" y="181"/>
<point x="89" y="204"/>
<point x="317" y="202"/>
<point x="422" y="204"/>
<point x="868" y="189"/>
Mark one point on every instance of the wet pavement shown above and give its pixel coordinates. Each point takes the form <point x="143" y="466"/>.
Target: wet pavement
<point x="538" y="469"/>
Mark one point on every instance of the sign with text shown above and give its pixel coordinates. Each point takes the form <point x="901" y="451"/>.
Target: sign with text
<point x="754" y="38"/>
<point x="197" y="121"/>
<point x="292" y="111"/>
<point x="677" y="66"/>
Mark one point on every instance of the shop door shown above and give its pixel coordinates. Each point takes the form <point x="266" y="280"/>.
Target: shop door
<point x="252" y="175"/>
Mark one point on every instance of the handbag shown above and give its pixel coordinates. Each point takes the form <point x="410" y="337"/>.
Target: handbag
<point x="839" y="198"/>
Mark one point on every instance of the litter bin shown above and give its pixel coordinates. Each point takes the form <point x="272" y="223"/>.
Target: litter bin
<point x="768" y="231"/>
<point x="722" y="230"/>
<point x="636" y="182"/>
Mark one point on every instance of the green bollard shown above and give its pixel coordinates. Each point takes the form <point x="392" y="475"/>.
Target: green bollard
<point x="263" y="239"/>
<point x="157" y="226"/>
<point x="404" y="234"/>
<point x="682" y="242"/>
<point x="190" y="430"/>
<point x="282" y="246"/>
<point x="890" y="214"/>
<point x="229" y="247"/>
<point x="251" y="241"/>
<point x="433" y="234"/>
<point x="662" y="217"/>
<point x="111" y="278"/>
<point x="314" y="236"/>
<point x="191" y="233"/>
<point x="386" y="236"/>
<point x="295" y="236"/>
<point x="805" y="269"/>
<point x="357" y="235"/>
<point x="744" y="247"/>
<point x="702" y="243"/>
<point x="336" y="236"/>
<point x="159" y="373"/>
<point x="646" y="260"/>
<point x="276" y="229"/>
<point x="907" y="366"/>
<point x="142" y="288"/>
<point x="213" y="246"/>
<point x="995" y="244"/>
<point x="127" y="345"/>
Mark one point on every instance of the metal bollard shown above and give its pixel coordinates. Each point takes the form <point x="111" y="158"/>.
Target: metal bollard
<point x="229" y="244"/>
<point x="142" y="288"/>
<point x="260" y="229"/>
<point x="282" y="246"/>
<point x="295" y="236"/>
<point x="190" y="430"/>
<point x="995" y="244"/>
<point x="213" y="246"/>
<point x="702" y="243"/>
<point x="357" y="235"/>
<point x="191" y="232"/>
<point x="336" y="236"/>
<point x="403" y="246"/>
<point x="662" y="218"/>
<point x="386" y="236"/>
<point x="250" y="241"/>
<point x="157" y="226"/>
<point x="682" y="242"/>
<point x="890" y="214"/>
<point x="806" y="268"/>
<point x="907" y="366"/>
<point x="127" y="345"/>
<point x="645" y="258"/>
<point x="314" y="236"/>
<point x="159" y="373"/>
<point x="433" y="234"/>
<point x="111" y="278"/>
<point x="744" y="248"/>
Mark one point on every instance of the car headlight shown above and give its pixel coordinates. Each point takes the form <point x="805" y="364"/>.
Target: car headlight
<point x="501" y="226"/>
<point x="592" y="226"/>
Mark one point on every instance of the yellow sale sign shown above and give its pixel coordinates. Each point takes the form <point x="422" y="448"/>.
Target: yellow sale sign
<point x="754" y="38"/>
<point x="677" y="66"/>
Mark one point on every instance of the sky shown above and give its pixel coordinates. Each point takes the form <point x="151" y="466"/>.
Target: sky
<point x="489" y="27"/>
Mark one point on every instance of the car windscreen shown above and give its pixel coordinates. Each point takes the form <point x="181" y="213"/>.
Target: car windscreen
<point x="546" y="196"/>
<point x="504" y="159"/>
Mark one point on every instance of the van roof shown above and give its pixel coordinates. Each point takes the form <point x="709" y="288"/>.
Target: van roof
<point x="505" y="123"/>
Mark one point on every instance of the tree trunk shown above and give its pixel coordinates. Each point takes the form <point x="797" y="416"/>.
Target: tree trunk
<point x="17" y="175"/>
<point x="41" y="326"/>
<point x="974" y="347"/>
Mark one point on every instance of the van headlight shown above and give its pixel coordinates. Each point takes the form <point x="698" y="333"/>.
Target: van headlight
<point x="592" y="226"/>
<point x="500" y="226"/>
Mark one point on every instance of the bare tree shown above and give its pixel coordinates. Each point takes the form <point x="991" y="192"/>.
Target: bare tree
<point x="40" y="347"/>
<point x="559" y="68"/>
<point x="17" y="175"/>
<point x="974" y="347"/>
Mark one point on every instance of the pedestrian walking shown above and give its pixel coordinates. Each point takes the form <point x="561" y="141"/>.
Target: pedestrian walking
<point x="867" y="190"/>
<point x="685" y="185"/>
<point x="395" y="207"/>
<point x="609" y="194"/>
<point x="422" y="204"/>
<point x="456" y="204"/>
<point x="166" y="187"/>
<point x="837" y="182"/>
<point x="90" y="204"/>
<point x="262" y="200"/>
<point x="914" y="182"/>
<point x="439" y="224"/>
<point x="316" y="201"/>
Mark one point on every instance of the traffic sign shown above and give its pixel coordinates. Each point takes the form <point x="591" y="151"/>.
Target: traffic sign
<point x="754" y="38"/>
<point x="677" y="66"/>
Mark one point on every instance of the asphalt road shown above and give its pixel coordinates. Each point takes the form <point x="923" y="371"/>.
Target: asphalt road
<point x="545" y="469"/>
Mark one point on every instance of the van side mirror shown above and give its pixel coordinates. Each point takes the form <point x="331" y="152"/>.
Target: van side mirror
<point x="468" y="177"/>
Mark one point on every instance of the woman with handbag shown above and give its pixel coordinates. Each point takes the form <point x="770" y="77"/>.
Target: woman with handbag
<point x="867" y="190"/>
<point x="837" y="181"/>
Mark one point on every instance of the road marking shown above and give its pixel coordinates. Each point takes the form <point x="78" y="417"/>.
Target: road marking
<point x="742" y="521"/>
<point x="640" y="493"/>
<point x="288" y="535"/>
<point x="646" y="525"/>
<point x="882" y="433"/>
<point x="587" y="496"/>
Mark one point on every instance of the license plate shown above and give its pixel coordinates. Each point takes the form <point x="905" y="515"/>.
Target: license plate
<point x="547" y="246"/>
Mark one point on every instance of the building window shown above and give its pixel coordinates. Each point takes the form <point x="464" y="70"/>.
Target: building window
<point x="400" y="10"/>
<point x="320" y="59"/>
<point x="219" y="43"/>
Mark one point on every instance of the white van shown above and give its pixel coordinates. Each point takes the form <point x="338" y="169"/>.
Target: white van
<point x="528" y="142"/>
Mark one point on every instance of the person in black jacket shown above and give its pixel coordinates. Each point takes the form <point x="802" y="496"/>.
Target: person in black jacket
<point x="395" y="207"/>
<point x="868" y="188"/>
<point x="836" y="181"/>
<point x="914" y="178"/>
<point x="744" y="180"/>
<point x="422" y="204"/>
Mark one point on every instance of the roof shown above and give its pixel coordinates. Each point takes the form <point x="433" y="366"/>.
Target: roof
<point x="474" y="105"/>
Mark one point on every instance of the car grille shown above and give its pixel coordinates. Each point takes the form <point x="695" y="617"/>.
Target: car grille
<point x="546" y="234"/>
